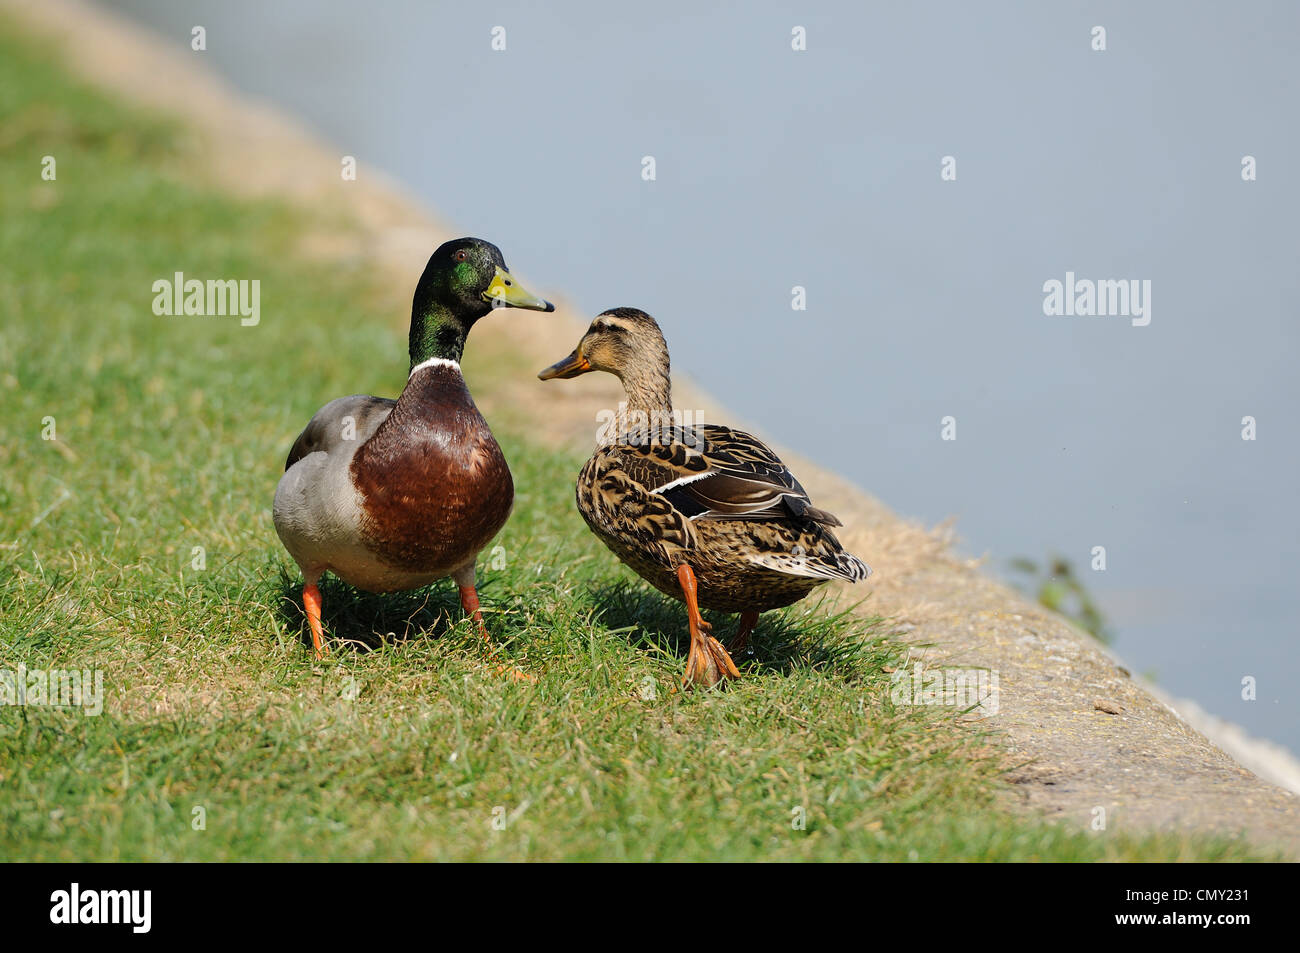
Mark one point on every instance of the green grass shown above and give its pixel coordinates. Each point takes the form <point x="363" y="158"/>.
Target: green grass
<point x="171" y="434"/>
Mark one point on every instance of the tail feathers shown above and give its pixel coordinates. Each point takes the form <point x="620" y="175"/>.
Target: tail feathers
<point x="854" y="568"/>
<point x="826" y="566"/>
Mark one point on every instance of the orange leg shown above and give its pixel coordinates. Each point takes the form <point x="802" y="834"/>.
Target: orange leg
<point x="311" y="602"/>
<point x="739" y="644"/>
<point x="708" y="662"/>
<point x="469" y="602"/>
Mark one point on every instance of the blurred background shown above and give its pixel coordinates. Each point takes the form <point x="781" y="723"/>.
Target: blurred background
<point x="820" y="168"/>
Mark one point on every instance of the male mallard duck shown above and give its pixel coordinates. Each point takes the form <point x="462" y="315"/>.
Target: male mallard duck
<point x="394" y="494"/>
<point x="705" y="514"/>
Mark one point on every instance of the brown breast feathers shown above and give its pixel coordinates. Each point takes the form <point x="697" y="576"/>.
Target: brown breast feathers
<point x="434" y="485"/>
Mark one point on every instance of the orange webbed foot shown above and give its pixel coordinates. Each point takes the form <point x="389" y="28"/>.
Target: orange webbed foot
<point x="708" y="662"/>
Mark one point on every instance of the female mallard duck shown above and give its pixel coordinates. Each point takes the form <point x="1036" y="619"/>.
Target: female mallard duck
<point x="394" y="494"/>
<point x="705" y="514"/>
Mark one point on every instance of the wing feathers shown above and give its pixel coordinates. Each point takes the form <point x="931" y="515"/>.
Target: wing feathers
<point x="352" y="419"/>
<point x="714" y="472"/>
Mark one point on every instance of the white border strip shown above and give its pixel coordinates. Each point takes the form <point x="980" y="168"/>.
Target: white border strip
<point x="433" y="362"/>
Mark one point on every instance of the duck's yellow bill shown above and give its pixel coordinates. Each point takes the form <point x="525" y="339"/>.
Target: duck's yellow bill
<point x="571" y="366"/>
<point x="505" y="292"/>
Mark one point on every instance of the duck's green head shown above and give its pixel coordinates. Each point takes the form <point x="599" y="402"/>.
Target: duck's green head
<point x="463" y="281"/>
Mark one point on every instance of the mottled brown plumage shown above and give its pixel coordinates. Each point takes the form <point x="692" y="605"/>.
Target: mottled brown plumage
<point x="717" y="501"/>
<point x="754" y="541"/>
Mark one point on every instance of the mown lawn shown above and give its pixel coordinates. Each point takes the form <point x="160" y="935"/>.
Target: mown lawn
<point x="221" y="739"/>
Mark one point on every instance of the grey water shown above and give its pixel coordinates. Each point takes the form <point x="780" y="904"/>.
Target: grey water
<point x="822" y="168"/>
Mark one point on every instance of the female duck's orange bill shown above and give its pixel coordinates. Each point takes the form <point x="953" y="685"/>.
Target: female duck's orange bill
<point x="571" y="366"/>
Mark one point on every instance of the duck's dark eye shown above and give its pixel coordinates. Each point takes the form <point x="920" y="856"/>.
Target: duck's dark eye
<point x="461" y="255"/>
